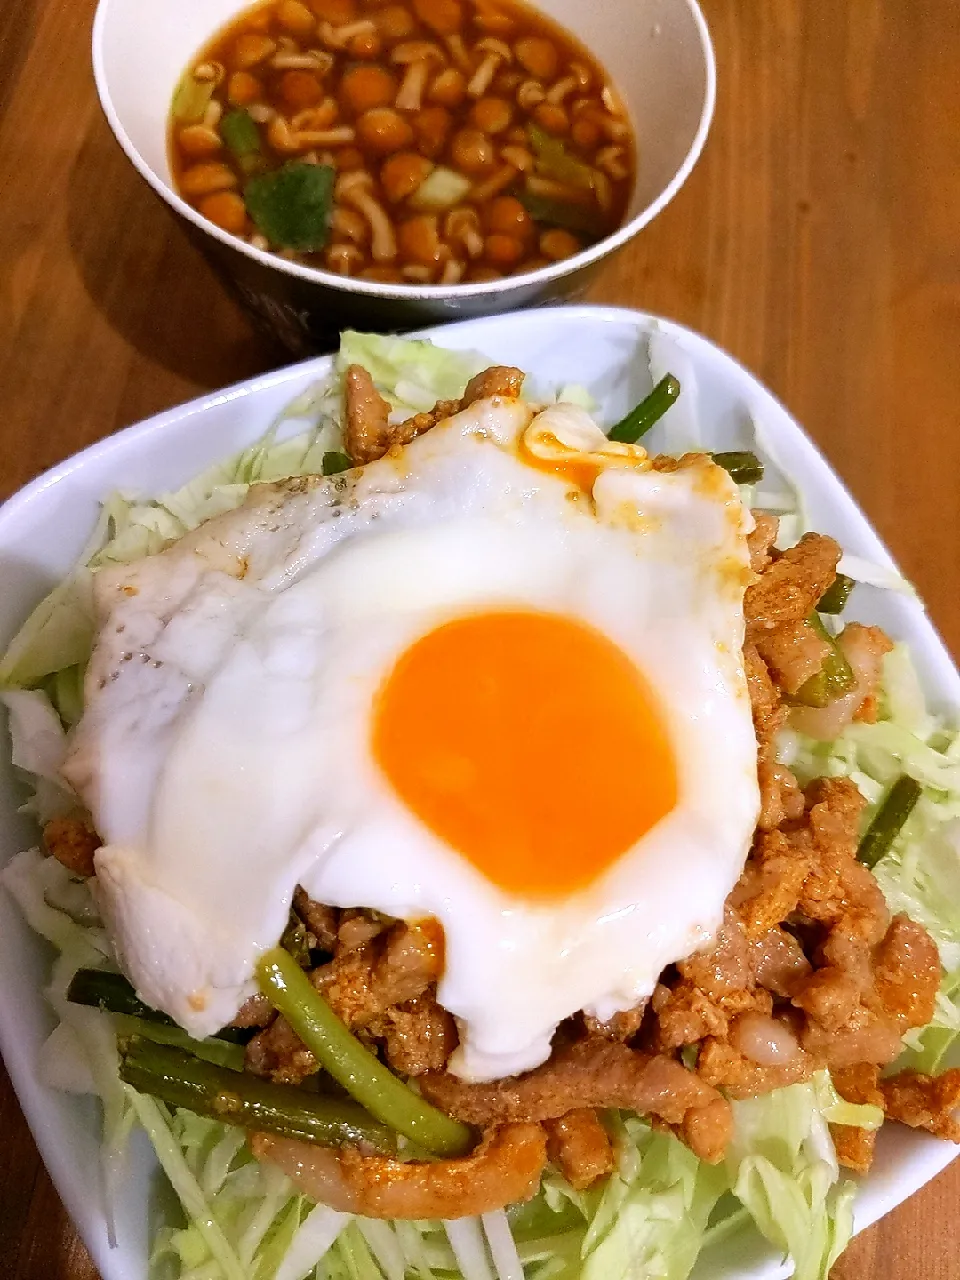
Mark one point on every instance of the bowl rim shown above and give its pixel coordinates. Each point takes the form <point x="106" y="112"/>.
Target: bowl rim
<point x="533" y="280"/>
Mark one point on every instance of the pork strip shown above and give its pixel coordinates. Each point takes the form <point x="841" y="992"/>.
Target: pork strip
<point x="906" y="973"/>
<point x="580" y="1147"/>
<point x="500" y="380"/>
<point x="925" y="1102"/>
<point x="419" y="1036"/>
<point x="504" y="1169"/>
<point x="760" y="541"/>
<point x="788" y="590"/>
<point x="793" y="652"/>
<point x="594" y="1072"/>
<point x="367" y="415"/>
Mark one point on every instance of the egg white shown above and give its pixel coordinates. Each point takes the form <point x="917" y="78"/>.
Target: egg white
<point x="225" y="747"/>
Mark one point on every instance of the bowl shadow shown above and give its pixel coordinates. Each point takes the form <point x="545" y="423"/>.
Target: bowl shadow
<point x="143" y="274"/>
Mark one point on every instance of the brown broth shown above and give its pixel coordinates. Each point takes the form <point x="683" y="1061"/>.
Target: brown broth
<point x="450" y="140"/>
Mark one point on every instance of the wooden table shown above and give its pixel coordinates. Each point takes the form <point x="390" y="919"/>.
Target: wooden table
<point x="818" y="240"/>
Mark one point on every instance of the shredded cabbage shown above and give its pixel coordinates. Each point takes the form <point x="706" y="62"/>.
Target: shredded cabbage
<point x="653" y="1214"/>
<point x="785" y="1174"/>
<point x="39" y="747"/>
<point x="412" y="376"/>
<point x="58" y="634"/>
<point x="662" y="1206"/>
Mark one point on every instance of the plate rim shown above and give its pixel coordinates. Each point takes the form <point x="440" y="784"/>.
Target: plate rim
<point x="56" y="1155"/>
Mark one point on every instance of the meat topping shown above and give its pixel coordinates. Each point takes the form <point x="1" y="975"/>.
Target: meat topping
<point x="368" y="434"/>
<point x="622" y="1026"/>
<point x="580" y="1147"/>
<point x="829" y="996"/>
<point x="925" y="1102"/>
<point x="278" y="1054"/>
<point x="790" y="587"/>
<point x="73" y="841"/>
<point x="257" y="1011"/>
<point x="501" y="380"/>
<point x="375" y="988"/>
<point x="420" y="423"/>
<point x="361" y="983"/>
<point x="778" y="961"/>
<point x="793" y="652"/>
<point x="320" y="919"/>
<point x="593" y="1072"/>
<point x="366" y="430"/>
<point x="419" y="1035"/>
<point x="760" y="541"/>
<point x="504" y="1169"/>
<point x="723" y="1065"/>
<point x="770" y="887"/>
<point x="907" y="973"/>
<point x="855" y="1146"/>
<point x="807" y="970"/>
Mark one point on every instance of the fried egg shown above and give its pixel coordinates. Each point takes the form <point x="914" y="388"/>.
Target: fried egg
<point x="494" y="678"/>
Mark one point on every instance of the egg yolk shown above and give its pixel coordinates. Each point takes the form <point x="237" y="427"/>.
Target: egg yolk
<point x="528" y="742"/>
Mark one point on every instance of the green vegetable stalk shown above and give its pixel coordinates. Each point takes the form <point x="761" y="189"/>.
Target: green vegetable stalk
<point x="191" y="99"/>
<point x="363" y="1076"/>
<point x="111" y="992"/>
<point x="647" y="413"/>
<point x="897" y="806"/>
<point x="181" y="1080"/>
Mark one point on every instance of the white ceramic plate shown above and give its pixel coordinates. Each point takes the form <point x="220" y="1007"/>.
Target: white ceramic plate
<point x="44" y="527"/>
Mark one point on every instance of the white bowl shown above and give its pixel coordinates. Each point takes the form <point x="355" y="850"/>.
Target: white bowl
<point x="44" y="527"/>
<point x="658" y="53"/>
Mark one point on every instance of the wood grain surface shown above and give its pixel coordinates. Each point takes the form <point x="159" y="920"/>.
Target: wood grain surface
<point x="818" y="240"/>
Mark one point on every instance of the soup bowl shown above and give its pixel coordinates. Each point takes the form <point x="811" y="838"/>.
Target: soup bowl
<point x="657" y="52"/>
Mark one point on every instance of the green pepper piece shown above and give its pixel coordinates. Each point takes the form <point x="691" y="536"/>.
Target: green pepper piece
<point x="334" y="463"/>
<point x="555" y="161"/>
<point x="647" y="413"/>
<point x="580" y="219"/>
<point x="742" y="466"/>
<point x="835" y="598"/>
<point x="292" y="205"/>
<point x="888" y="821"/>
<point x="833" y="679"/>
